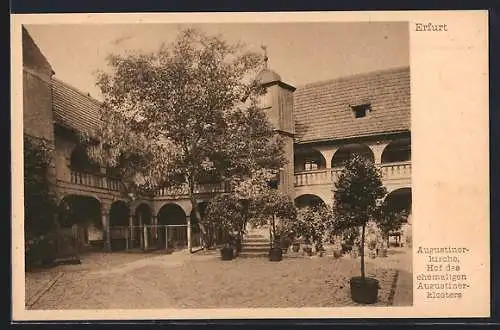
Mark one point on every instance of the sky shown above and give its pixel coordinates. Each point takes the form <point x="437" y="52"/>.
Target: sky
<point x="300" y="53"/>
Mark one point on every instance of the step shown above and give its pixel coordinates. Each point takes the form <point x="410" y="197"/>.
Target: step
<point x="252" y="241"/>
<point x="254" y="244"/>
<point x="255" y="237"/>
<point x="255" y="249"/>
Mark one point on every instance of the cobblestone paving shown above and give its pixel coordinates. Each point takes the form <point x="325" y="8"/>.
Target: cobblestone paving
<point x="204" y="281"/>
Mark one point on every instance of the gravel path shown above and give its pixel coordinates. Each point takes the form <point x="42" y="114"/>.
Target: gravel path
<point x="205" y="281"/>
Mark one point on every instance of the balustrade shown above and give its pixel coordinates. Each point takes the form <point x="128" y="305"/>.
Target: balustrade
<point x="390" y="171"/>
<point x="198" y="189"/>
<point x="94" y="180"/>
<point x="396" y="170"/>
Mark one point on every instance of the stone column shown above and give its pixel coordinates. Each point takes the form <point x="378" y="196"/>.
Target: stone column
<point x="377" y="150"/>
<point x="130" y="229"/>
<point x="154" y="222"/>
<point x="328" y="155"/>
<point x="188" y="230"/>
<point x="145" y="229"/>
<point x="141" y="234"/>
<point x="105" y="223"/>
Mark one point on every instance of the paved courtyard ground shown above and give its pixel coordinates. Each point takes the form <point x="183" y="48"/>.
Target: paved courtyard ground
<point x="202" y="280"/>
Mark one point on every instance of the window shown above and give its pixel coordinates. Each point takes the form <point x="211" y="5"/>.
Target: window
<point x="360" y="111"/>
<point x="310" y="165"/>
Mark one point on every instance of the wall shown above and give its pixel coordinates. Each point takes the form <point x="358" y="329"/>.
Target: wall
<point x="63" y="148"/>
<point x="37" y="92"/>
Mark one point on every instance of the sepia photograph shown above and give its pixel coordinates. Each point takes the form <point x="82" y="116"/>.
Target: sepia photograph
<point x="217" y="165"/>
<point x="250" y="166"/>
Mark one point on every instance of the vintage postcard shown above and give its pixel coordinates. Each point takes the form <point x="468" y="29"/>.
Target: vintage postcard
<point x="250" y="165"/>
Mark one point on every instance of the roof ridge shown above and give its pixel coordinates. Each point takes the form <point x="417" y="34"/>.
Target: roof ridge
<point x="352" y="76"/>
<point x="77" y="90"/>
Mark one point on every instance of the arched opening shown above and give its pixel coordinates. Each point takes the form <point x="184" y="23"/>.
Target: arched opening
<point x="119" y="217"/>
<point x="80" y="161"/>
<point x="173" y="218"/>
<point x="119" y="214"/>
<point x="143" y="215"/>
<point x="397" y="151"/>
<point x="348" y="151"/>
<point x="399" y="200"/>
<point x="308" y="160"/>
<point x="79" y="217"/>
<point x="308" y="200"/>
<point x="171" y="214"/>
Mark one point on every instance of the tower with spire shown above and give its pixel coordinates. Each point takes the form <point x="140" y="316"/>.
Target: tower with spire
<point x="277" y="102"/>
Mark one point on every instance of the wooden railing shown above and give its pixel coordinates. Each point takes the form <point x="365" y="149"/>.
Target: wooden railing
<point x="390" y="171"/>
<point x="95" y="180"/>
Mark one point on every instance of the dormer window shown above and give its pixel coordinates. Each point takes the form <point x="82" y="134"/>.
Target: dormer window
<point x="361" y="110"/>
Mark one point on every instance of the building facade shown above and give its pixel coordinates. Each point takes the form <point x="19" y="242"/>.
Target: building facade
<point x="322" y="124"/>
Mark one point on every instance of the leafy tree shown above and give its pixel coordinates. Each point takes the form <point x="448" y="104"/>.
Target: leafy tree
<point x="227" y="213"/>
<point x="312" y="224"/>
<point x="183" y="114"/>
<point x="358" y="191"/>
<point x="274" y="204"/>
<point x="40" y="204"/>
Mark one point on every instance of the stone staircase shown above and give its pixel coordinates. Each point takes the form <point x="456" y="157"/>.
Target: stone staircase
<point x="255" y="244"/>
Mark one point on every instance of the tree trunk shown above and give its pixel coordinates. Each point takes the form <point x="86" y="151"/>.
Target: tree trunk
<point x="362" y="252"/>
<point x="197" y="215"/>
<point x="274" y="226"/>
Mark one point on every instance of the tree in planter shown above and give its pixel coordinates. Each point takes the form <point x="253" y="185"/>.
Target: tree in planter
<point x="228" y="214"/>
<point x="40" y="204"/>
<point x="357" y="196"/>
<point x="274" y="205"/>
<point x="174" y="118"/>
<point x="311" y="224"/>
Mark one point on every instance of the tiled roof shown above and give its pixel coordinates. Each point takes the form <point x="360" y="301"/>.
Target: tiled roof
<point x="323" y="110"/>
<point x="73" y="108"/>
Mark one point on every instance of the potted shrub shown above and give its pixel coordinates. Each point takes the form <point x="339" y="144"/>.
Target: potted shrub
<point x="307" y="248"/>
<point x="320" y="251"/>
<point x="227" y="252"/>
<point x="238" y="244"/>
<point x="279" y="207"/>
<point x="383" y="249"/>
<point x="337" y="250"/>
<point x="227" y="214"/>
<point x="373" y="253"/>
<point x="276" y="253"/>
<point x="285" y="243"/>
<point x="354" y="252"/>
<point x="360" y="179"/>
<point x="311" y="225"/>
<point x="372" y="245"/>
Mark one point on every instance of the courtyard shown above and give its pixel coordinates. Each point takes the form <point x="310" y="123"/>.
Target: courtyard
<point x="203" y="280"/>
